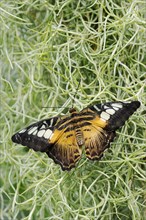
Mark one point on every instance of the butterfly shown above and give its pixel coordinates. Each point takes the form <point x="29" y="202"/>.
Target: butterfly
<point x="62" y="138"/>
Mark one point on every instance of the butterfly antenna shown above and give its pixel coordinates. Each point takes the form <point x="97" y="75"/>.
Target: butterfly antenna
<point x="76" y="93"/>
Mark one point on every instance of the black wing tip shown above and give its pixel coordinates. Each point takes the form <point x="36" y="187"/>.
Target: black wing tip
<point x="136" y="104"/>
<point x="13" y="138"/>
<point x="16" y="138"/>
<point x="133" y="105"/>
<point x="122" y="115"/>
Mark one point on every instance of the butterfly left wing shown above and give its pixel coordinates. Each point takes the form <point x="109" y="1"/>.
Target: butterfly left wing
<point x="107" y="119"/>
<point x="37" y="135"/>
<point x="44" y="136"/>
<point x="65" y="150"/>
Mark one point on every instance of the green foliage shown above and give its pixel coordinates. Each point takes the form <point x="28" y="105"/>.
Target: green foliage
<point x="46" y="48"/>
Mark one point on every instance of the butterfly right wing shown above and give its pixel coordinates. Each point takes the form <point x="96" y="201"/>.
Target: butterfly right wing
<point x="96" y="138"/>
<point x="65" y="151"/>
<point x="107" y="119"/>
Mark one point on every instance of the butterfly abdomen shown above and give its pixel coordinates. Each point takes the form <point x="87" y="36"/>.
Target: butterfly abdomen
<point x="79" y="137"/>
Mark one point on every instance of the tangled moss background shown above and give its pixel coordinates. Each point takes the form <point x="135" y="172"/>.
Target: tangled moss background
<point x="47" y="47"/>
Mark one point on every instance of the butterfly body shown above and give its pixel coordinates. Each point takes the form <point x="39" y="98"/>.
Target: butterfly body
<point x="63" y="138"/>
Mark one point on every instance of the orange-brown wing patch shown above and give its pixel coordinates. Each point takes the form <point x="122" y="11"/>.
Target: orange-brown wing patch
<point x="64" y="150"/>
<point x="96" y="138"/>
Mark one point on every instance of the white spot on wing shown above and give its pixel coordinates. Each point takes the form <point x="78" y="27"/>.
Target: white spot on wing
<point x="48" y="134"/>
<point x="45" y="123"/>
<point x="22" y="131"/>
<point x="116" y="108"/>
<point x="43" y="126"/>
<point x="105" y="106"/>
<point x="31" y="130"/>
<point x="105" y="116"/>
<point x="40" y="133"/>
<point x="97" y="109"/>
<point x="51" y="122"/>
<point x="35" y="132"/>
<point x="117" y="105"/>
<point x="110" y="111"/>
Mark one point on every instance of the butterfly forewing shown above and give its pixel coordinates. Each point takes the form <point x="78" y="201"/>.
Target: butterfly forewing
<point x="96" y="138"/>
<point x="115" y="113"/>
<point x="62" y="138"/>
<point x="37" y="135"/>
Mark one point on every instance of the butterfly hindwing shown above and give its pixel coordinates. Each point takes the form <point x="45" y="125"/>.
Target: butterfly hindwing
<point x="101" y="131"/>
<point x="65" y="151"/>
<point x="97" y="139"/>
